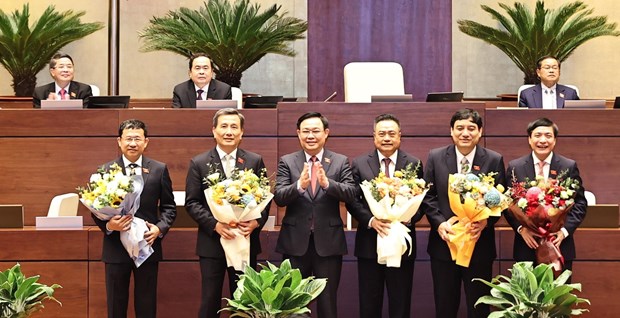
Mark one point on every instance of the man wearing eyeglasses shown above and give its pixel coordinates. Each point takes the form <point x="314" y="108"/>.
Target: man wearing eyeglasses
<point x="311" y="183"/>
<point x="63" y="87"/>
<point x="548" y="94"/>
<point x="157" y="208"/>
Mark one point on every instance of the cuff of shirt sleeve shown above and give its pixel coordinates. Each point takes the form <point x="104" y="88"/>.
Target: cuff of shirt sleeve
<point x="565" y="232"/>
<point x="370" y="222"/>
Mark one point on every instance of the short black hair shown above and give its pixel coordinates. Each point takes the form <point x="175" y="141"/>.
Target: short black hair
<point x="132" y="124"/>
<point x="313" y="115"/>
<point x="228" y="111"/>
<point x="57" y="57"/>
<point x="384" y="117"/>
<point x="197" y="55"/>
<point x="466" y="113"/>
<point x="540" y="60"/>
<point x="542" y="122"/>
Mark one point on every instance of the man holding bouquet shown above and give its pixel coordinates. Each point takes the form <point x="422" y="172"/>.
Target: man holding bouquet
<point x="311" y="183"/>
<point x="464" y="156"/>
<point x="543" y="162"/>
<point x="157" y="208"/>
<point x="223" y="159"/>
<point x="374" y="277"/>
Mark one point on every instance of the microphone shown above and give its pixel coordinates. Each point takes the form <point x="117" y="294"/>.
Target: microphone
<point x="331" y="97"/>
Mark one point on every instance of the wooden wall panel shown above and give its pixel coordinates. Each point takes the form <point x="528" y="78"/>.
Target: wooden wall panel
<point x="50" y="123"/>
<point x="412" y="33"/>
<point x="29" y="244"/>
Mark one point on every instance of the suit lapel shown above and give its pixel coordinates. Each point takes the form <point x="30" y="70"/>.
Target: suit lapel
<point x="528" y="167"/>
<point x="555" y="167"/>
<point x="216" y="162"/>
<point x="537" y="96"/>
<point x="191" y="93"/>
<point x="373" y="163"/>
<point x="73" y="90"/>
<point x="479" y="158"/>
<point x="559" y="95"/>
<point x="451" y="159"/>
<point x="401" y="159"/>
<point x="240" y="163"/>
<point x="212" y="88"/>
<point x="146" y="164"/>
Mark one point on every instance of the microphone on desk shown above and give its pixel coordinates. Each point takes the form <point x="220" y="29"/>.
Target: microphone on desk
<point x="331" y="97"/>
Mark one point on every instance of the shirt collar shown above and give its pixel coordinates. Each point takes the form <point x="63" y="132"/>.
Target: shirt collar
<point x="319" y="156"/>
<point x="126" y="162"/>
<point x="58" y="88"/>
<point x="393" y="157"/>
<point x="221" y="153"/>
<point x="552" y="88"/>
<point x="547" y="160"/>
<point x="470" y="156"/>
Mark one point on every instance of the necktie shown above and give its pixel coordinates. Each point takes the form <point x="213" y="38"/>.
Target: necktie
<point x="132" y="168"/>
<point x="313" y="177"/>
<point x="386" y="162"/>
<point x="464" y="165"/>
<point x="541" y="168"/>
<point x="227" y="165"/>
<point x="63" y="94"/>
<point x="199" y="94"/>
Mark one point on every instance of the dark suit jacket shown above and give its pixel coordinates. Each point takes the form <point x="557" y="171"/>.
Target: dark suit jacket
<point x="77" y="90"/>
<point x="184" y="94"/>
<point x="322" y="213"/>
<point x="532" y="97"/>
<point x="524" y="168"/>
<point x="440" y="164"/>
<point x="208" y="244"/>
<point x="367" y="167"/>
<point x="156" y="196"/>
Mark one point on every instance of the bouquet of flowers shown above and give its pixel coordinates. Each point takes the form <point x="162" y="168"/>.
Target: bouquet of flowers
<point x="110" y="193"/>
<point x="397" y="200"/>
<point x="541" y="206"/>
<point x="240" y="198"/>
<point x="472" y="198"/>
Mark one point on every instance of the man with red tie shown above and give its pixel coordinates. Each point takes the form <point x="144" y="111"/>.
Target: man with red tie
<point x="63" y="87"/>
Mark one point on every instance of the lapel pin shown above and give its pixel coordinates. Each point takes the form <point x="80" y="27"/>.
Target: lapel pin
<point x="145" y="170"/>
<point x="73" y="94"/>
<point x="562" y="95"/>
<point x="327" y="160"/>
<point x="477" y="168"/>
<point x="240" y="160"/>
<point x="553" y="172"/>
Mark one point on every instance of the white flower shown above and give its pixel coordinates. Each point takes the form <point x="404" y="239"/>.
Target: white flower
<point x="95" y="177"/>
<point x="214" y="177"/>
<point x="522" y="203"/>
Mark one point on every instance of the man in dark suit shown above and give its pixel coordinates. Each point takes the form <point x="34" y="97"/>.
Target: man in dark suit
<point x="228" y="131"/>
<point x="311" y="183"/>
<point x="157" y="208"/>
<point x="548" y="93"/>
<point x="464" y="156"/>
<point x="372" y="276"/>
<point x="542" y="136"/>
<point x="201" y="84"/>
<point x="63" y="87"/>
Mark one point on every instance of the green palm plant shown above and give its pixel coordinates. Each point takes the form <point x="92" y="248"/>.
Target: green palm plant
<point x="234" y="36"/>
<point x="25" y="50"/>
<point x="526" y="36"/>
<point x="532" y="292"/>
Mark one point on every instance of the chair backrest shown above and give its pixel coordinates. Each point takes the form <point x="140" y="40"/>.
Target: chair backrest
<point x="523" y="87"/>
<point x="237" y="95"/>
<point x="95" y="89"/>
<point x="365" y="79"/>
<point x="64" y="205"/>
<point x="590" y="197"/>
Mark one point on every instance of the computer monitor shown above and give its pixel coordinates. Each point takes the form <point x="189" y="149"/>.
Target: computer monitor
<point x="584" y="103"/>
<point x="108" y="102"/>
<point x="617" y="103"/>
<point x="444" y="97"/>
<point x="62" y="104"/>
<point x="216" y="104"/>
<point x="262" y="101"/>
<point x="391" y="98"/>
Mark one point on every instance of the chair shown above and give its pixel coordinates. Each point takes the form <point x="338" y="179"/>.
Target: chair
<point x="95" y="90"/>
<point x="237" y="95"/>
<point x="365" y="79"/>
<point x="590" y="197"/>
<point x="64" y="205"/>
<point x="524" y="87"/>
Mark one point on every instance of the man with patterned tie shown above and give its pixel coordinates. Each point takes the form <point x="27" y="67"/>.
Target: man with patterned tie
<point x="548" y="94"/>
<point x="463" y="156"/>
<point x="63" y="87"/>
<point x="228" y="131"/>
<point x="201" y="84"/>
<point x="542" y="161"/>
<point x="157" y="208"/>
<point x="312" y="233"/>
<point x="373" y="278"/>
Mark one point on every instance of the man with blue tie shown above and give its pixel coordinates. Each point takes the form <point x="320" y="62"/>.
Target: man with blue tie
<point x="311" y="183"/>
<point x="548" y="94"/>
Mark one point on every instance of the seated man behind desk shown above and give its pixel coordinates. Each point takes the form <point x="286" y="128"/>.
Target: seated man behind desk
<point x="201" y="84"/>
<point x="548" y="94"/>
<point x="63" y="87"/>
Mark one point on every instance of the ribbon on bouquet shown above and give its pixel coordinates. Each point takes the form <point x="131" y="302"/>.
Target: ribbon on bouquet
<point x="547" y="252"/>
<point x="391" y="247"/>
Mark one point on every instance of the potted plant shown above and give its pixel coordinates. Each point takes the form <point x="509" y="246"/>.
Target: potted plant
<point x="532" y="292"/>
<point x="274" y="292"/>
<point x="526" y="36"/>
<point x="25" y="50"/>
<point x="234" y="36"/>
<point x="20" y="296"/>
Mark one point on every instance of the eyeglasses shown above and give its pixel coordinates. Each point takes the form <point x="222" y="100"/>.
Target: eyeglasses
<point x="62" y="67"/>
<point x="313" y="132"/>
<point x="548" y="67"/>
<point x="382" y="134"/>
<point x="133" y="139"/>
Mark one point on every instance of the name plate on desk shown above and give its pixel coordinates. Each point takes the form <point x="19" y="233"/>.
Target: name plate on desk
<point x="601" y="216"/>
<point x="59" y="222"/>
<point x="11" y="216"/>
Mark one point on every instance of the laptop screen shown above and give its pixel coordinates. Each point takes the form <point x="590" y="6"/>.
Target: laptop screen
<point x="108" y="102"/>
<point x="444" y="97"/>
<point x="391" y="98"/>
<point x="262" y="101"/>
